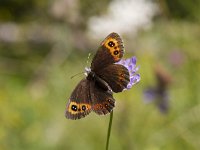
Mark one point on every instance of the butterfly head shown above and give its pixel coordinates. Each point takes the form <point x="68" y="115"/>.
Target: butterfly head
<point x="87" y="71"/>
<point x="90" y="75"/>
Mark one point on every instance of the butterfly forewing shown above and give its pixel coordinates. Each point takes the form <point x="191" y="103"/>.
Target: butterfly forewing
<point x="79" y="104"/>
<point x="111" y="50"/>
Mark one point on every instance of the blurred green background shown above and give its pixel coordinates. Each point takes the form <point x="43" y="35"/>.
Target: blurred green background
<point x="44" y="43"/>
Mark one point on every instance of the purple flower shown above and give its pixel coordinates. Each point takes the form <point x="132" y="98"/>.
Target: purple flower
<point x="130" y="64"/>
<point x="149" y="95"/>
<point x="159" y="97"/>
<point x="158" y="93"/>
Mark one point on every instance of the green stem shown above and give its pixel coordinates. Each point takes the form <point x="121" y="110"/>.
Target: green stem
<point x="109" y="130"/>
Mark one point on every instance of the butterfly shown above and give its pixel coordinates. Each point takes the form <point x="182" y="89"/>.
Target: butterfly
<point x="95" y="92"/>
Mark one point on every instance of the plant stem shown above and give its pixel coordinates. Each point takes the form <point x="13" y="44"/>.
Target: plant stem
<point x="109" y="129"/>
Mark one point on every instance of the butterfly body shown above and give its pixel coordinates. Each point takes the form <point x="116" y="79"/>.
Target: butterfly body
<point x="95" y="92"/>
<point x="98" y="81"/>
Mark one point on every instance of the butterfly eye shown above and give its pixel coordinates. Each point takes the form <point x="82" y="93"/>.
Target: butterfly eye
<point x="116" y="52"/>
<point x="111" y="44"/>
<point x="106" y="105"/>
<point x="111" y="102"/>
<point x="74" y="107"/>
<point x="83" y="107"/>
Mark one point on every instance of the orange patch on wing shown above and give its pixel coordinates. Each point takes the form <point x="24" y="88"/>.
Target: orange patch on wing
<point x="113" y="46"/>
<point x="76" y="108"/>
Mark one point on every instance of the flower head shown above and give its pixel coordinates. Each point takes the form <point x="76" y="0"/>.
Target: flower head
<point x="159" y="97"/>
<point x="130" y="64"/>
<point x="159" y="93"/>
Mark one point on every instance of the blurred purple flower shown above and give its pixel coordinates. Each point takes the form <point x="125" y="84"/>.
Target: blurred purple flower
<point x="160" y="98"/>
<point x="158" y="93"/>
<point x="130" y="64"/>
<point x="163" y="104"/>
<point x="149" y="95"/>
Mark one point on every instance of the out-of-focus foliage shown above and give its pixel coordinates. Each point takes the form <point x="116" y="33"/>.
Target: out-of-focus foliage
<point x="90" y="8"/>
<point x="21" y="10"/>
<point x="181" y="9"/>
<point x="44" y="43"/>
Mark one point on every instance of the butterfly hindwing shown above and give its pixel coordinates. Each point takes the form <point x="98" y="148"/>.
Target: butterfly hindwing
<point x="102" y="100"/>
<point x="116" y="75"/>
<point x="79" y="104"/>
<point x="110" y="51"/>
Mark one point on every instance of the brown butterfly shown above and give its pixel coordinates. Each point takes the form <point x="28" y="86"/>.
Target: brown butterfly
<point x="95" y="92"/>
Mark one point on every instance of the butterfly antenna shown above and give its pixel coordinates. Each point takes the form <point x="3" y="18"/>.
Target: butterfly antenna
<point x="77" y="74"/>
<point x="88" y="59"/>
<point x="86" y="65"/>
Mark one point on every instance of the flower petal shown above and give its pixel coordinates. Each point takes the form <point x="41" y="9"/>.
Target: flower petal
<point x="130" y="64"/>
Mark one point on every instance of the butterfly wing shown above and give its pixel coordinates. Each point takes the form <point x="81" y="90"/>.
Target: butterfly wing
<point x="116" y="75"/>
<point x="79" y="104"/>
<point x="102" y="100"/>
<point x="111" y="50"/>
